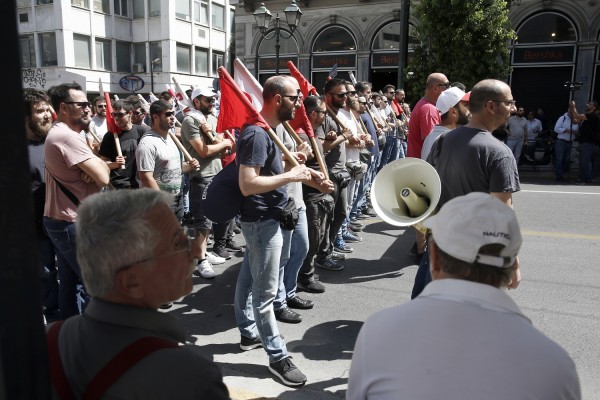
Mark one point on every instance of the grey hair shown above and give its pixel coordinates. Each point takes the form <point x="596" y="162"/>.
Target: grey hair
<point x="113" y="232"/>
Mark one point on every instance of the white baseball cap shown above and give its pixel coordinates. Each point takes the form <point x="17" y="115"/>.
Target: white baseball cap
<point x="200" y="91"/>
<point x="449" y="98"/>
<point x="466" y="223"/>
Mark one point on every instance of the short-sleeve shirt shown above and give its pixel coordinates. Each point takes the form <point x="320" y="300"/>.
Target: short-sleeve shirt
<point x="517" y="126"/>
<point x="161" y="156"/>
<point x="64" y="149"/>
<point x="123" y="178"/>
<point x="190" y="129"/>
<point x="335" y="157"/>
<point x="424" y="117"/>
<point x="256" y="149"/>
<point x="472" y="160"/>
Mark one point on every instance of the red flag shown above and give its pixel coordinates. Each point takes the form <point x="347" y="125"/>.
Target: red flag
<point x="305" y="86"/>
<point x="236" y="110"/>
<point x="111" y="124"/>
<point x="301" y="121"/>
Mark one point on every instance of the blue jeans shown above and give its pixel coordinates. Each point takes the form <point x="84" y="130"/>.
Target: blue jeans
<point x="401" y="150"/>
<point x="289" y="266"/>
<point x="72" y="297"/>
<point x="390" y="150"/>
<point x="257" y="285"/>
<point x="562" y="149"/>
<point x="586" y="154"/>
<point x="423" y="276"/>
<point x="49" y="275"/>
<point x="515" y="145"/>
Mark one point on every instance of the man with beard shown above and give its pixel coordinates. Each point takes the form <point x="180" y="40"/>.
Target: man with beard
<point x="589" y="138"/>
<point x="38" y="120"/>
<point x="517" y="128"/>
<point x="73" y="173"/>
<point x="122" y="178"/>
<point x="99" y="124"/>
<point x="138" y="112"/>
<point x="262" y="181"/>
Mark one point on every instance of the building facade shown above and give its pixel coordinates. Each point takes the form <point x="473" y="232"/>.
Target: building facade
<point x="557" y="42"/>
<point x="131" y="45"/>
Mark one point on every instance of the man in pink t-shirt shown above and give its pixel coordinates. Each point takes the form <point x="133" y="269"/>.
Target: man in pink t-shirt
<point x="73" y="172"/>
<point x="425" y="116"/>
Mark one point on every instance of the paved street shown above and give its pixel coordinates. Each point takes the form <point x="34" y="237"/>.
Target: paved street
<point x="560" y="292"/>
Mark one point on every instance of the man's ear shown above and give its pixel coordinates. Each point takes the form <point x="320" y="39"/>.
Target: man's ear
<point x="129" y="283"/>
<point x="434" y="267"/>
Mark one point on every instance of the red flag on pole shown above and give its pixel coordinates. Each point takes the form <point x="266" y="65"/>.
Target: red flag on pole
<point x="236" y="110"/>
<point x="301" y="121"/>
<point x="110" y="121"/>
<point x="305" y="86"/>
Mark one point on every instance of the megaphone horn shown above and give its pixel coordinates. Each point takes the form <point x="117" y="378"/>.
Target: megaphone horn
<point x="406" y="191"/>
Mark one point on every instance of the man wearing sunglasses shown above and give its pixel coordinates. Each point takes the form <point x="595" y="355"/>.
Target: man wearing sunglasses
<point x="99" y="124"/>
<point x="73" y="173"/>
<point x="129" y="138"/>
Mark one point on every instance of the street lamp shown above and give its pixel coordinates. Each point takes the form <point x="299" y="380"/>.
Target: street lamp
<point x="155" y="61"/>
<point x="263" y="19"/>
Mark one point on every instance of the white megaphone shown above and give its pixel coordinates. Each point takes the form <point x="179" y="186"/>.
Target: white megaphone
<point x="406" y="191"/>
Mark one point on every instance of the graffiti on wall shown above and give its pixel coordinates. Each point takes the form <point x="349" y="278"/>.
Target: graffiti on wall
<point x="33" y="78"/>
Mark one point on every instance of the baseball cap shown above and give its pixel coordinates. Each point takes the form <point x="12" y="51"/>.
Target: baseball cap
<point x="206" y="92"/>
<point x="466" y="223"/>
<point x="449" y="98"/>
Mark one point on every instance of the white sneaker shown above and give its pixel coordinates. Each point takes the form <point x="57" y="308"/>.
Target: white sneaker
<point x="205" y="269"/>
<point x="214" y="259"/>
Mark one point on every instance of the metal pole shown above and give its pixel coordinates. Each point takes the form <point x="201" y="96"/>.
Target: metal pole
<point x="403" y="44"/>
<point x="152" y="74"/>
<point x="277" y="46"/>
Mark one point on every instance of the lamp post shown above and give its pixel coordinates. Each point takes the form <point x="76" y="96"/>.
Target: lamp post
<point x="263" y="19"/>
<point x="155" y="61"/>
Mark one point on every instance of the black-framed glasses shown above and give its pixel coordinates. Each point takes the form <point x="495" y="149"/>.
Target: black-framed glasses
<point x="169" y="114"/>
<point x="507" y="102"/>
<point x="446" y="85"/>
<point x="293" y="99"/>
<point x="190" y="234"/>
<point x="118" y="114"/>
<point x="362" y="102"/>
<point x="340" y="95"/>
<point x="101" y="105"/>
<point x="137" y="113"/>
<point x="82" y="104"/>
<point x="352" y="93"/>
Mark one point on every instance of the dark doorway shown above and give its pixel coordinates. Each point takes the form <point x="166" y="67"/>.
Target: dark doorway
<point x="382" y="77"/>
<point x="596" y="91"/>
<point x="542" y="87"/>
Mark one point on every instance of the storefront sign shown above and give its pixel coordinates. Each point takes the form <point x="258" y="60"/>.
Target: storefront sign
<point x="544" y="55"/>
<point x="329" y="60"/>
<point x="385" y="60"/>
<point x="131" y="83"/>
<point x="269" y="63"/>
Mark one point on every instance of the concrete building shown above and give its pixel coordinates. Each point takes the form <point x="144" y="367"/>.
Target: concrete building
<point x="557" y="42"/>
<point x="125" y="43"/>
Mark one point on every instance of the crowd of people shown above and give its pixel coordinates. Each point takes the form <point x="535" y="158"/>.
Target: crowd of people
<point x="135" y="251"/>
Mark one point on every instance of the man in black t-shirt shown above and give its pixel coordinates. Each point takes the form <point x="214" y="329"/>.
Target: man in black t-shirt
<point x="588" y="137"/>
<point x="122" y="178"/>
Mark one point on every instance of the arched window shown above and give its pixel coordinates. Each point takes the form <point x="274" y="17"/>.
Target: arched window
<point x="388" y="38"/>
<point x="287" y="45"/>
<point x="546" y="28"/>
<point x="266" y="54"/>
<point x="334" y="38"/>
<point x="333" y="47"/>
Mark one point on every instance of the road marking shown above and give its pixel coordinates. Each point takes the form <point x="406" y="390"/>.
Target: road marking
<point x="564" y="235"/>
<point x="557" y="192"/>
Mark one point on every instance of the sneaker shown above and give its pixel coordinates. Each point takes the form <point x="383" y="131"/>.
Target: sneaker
<point x="250" y="343"/>
<point x="329" y="264"/>
<point x="299" y="304"/>
<point x="221" y="252"/>
<point x="362" y="216"/>
<point x="313" y="286"/>
<point x="369" y="211"/>
<point x="205" y="269"/>
<point x="354" y="229"/>
<point x="288" y="316"/>
<point x="289" y="374"/>
<point x="350" y="237"/>
<point x="166" y="306"/>
<point x="335" y="256"/>
<point x="233" y="246"/>
<point x="214" y="259"/>
<point x="356" y="224"/>
<point x="342" y="247"/>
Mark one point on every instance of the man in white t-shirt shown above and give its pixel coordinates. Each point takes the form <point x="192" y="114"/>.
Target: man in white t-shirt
<point x="99" y="124"/>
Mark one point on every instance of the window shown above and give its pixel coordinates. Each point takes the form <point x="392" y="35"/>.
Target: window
<point x="103" y="55"/>
<point x="156" y="52"/>
<point x="80" y="3"/>
<point x="201" y="61"/>
<point x="24" y="3"/>
<point x="201" y="12"/>
<point x="287" y="45"/>
<point x="44" y="2"/>
<point x="24" y="17"/>
<point x="334" y="38"/>
<point x="124" y="57"/>
<point x="101" y="6"/>
<point x="546" y="28"/>
<point x="138" y="8"/>
<point x="81" y="48"/>
<point x="48" y="49"/>
<point x="27" y="46"/>
<point x="121" y="7"/>
<point x="139" y="56"/>
<point x="153" y="8"/>
<point x="183" y="58"/>
<point x="182" y="9"/>
<point x="217" y="61"/>
<point x="217" y="16"/>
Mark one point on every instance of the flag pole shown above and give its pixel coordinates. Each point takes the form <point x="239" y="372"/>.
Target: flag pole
<point x="109" y="110"/>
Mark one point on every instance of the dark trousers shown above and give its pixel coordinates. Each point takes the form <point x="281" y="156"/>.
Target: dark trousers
<point x="423" y="276"/>
<point x="318" y="208"/>
<point x="340" y="211"/>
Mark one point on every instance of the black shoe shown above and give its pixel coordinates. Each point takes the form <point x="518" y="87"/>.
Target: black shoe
<point x="233" y="246"/>
<point x="331" y="265"/>
<point x="370" y="212"/>
<point x="288" y="316"/>
<point x="288" y="373"/>
<point x="221" y="252"/>
<point x="311" y="287"/>
<point x="413" y="249"/>
<point x="354" y="229"/>
<point x="300" y="304"/>
<point x="354" y="223"/>
<point x="166" y="306"/>
<point x="249" y="344"/>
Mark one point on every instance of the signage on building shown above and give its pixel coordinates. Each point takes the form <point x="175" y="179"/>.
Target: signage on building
<point x="389" y="59"/>
<point x="131" y="83"/>
<point x="544" y="55"/>
<point x="270" y="63"/>
<point x="343" y="61"/>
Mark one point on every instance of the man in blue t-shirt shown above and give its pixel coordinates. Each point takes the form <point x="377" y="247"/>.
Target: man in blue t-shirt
<point x="262" y="181"/>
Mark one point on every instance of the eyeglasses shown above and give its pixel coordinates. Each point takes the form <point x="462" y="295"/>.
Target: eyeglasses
<point x="190" y="234"/>
<point x="101" y="105"/>
<point x="82" y="104"/>
<point x="507" y="102"/>
<point x="118" y="114"/>
<point x="362" y="102"/>
<point x="137" y="113"/>
<point x="293" y="99"/>
<point x="321" y="112"/>
<point x="340" y="95"/>
<point x="446" y="85"/>
<point x="169" y="114"/>
<point x="352" y="93"/>
<point x="209" y="99"/>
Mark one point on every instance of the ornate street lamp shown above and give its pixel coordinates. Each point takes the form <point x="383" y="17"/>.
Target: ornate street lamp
<point x="155" y="61"/>
<point x="263" y="20"/>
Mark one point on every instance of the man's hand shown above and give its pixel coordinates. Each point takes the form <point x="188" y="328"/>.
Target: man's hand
<point x="331" y="135"/>
<point x="305" y="149"/>
<point x="300" y="173"/>
<point x="193" y="164"/>
<point x="347" y="133"/>
<point x="515" y="279"/>
<point x="86" y="178"/>
<point x="326" y="186"/>
<point x="120" y="160"/>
